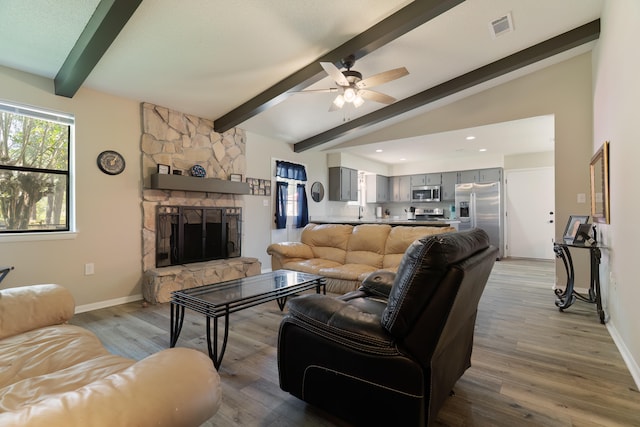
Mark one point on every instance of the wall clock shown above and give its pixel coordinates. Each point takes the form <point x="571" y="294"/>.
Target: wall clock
<point x="111" y="162"/>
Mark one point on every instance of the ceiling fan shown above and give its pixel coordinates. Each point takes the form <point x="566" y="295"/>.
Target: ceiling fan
<point x="354" y="89"/>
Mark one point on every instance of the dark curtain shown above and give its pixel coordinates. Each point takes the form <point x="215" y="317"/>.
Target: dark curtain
<point x="303" y="210"/>
<point x="281" y="204"/>
<point x="290" y="170"/>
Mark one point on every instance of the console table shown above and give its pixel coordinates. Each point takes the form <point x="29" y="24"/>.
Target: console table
<point x="565" y="298"/>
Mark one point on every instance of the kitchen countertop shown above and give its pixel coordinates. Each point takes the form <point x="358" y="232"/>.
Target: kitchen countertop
<point x="391" y="221"/>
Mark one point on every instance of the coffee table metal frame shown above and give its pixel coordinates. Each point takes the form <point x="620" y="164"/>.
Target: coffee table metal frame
<point x="219" y="300"/>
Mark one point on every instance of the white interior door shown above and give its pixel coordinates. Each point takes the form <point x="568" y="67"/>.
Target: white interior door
<point x="530" y="213"/>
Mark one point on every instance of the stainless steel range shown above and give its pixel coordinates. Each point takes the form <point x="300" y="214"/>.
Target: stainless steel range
<point x="429" y="214"/>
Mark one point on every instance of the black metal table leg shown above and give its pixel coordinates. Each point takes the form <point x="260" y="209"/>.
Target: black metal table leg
<point x="565" y="298"/>
<point x="177" y="318"/>
<point x="596" y="255"/>
<point x="214" y="355"/>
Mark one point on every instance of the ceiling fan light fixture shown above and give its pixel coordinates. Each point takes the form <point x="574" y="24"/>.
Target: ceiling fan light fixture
<point x="358" y="101"/>
<point x="349" y="94"/>
<point x="339" y="101"/>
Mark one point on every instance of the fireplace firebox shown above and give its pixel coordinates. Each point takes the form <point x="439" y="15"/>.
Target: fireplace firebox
<point x="187" y="234"/>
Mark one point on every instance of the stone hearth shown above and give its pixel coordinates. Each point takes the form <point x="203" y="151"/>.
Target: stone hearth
<point x="181" y="141"/>
<point x="160" y="282"/>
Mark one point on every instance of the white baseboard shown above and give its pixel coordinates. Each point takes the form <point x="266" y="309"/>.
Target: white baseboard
<point x="632" y="365"/>
<point x="107" y="303"/>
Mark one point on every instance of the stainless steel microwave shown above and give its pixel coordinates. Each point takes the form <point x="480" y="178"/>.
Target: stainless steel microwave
<point x="425" y="193"/>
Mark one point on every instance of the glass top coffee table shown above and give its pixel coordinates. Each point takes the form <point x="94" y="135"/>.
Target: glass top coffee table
<point x="221" y="299"/>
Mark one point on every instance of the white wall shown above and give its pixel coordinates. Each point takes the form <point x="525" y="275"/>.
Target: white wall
<point x="616" y="91"/>
<point x="259" y="219"/>
<point x="108" y="210"/>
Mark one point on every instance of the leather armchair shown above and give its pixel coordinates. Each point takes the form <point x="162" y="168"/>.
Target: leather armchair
<point x="391" y="351"/>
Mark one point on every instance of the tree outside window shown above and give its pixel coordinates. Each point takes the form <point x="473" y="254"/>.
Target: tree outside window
<point x="34" y="170"/>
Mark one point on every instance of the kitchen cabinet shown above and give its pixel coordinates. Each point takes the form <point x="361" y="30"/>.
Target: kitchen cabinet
<point x="343" y="184"/>
<point x="417" y="180"/>
<point x="377" y="189"/>
<point x="490" y="175"/>
<point x="400" y="189"/>
<point x="449" y="181"/>
<point x="465" y="177"/>
<point x="480" y="175"/>
<point x="433" y="179"/>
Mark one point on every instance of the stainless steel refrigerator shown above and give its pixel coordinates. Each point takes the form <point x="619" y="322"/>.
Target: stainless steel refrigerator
<point x="481" y="206"/>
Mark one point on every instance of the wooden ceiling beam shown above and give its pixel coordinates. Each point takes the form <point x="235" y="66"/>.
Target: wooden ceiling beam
<point x="387" y="30"/>
<point x="102" y="29"/>
<point x="573" y="38"/>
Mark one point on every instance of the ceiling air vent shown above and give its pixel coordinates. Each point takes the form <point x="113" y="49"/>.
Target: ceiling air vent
<point x="501" y="26"/>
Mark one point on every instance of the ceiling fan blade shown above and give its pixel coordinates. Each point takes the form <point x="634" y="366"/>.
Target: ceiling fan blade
<point x="329" y="90"/>
<point x="376" y="96"/>
<point x="335" y="73"/>
<point x="381" y="78"/>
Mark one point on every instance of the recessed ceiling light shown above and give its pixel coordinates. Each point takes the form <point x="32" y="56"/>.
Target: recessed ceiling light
<point x="482" y="150"/>
<point x="378" y="150"/>
<point x="402" y="159"/>
<point x="470" y="137"/>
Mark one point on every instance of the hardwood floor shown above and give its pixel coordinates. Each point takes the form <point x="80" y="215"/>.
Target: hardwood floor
<point x="532" y="365"/>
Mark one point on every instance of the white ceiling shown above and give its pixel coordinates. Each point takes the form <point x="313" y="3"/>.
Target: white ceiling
<point x="206" y="57"/>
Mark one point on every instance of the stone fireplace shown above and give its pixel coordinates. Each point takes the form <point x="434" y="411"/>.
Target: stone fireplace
<point x="181" y="141"/>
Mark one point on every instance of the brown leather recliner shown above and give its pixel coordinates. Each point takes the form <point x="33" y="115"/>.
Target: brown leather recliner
<point x="390" y="352"/>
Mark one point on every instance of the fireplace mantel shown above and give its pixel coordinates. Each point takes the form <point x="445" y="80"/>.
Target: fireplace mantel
<point x="192" y="183"/>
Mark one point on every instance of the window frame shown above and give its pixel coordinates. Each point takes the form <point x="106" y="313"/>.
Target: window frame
<point x="66" y="119"/>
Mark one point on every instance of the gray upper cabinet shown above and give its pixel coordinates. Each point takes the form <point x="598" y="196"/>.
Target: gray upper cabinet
<point x="433" y="179"/>
<point x="401" y="185"/>
<point x="480" y="175"/>
<point x="377" y="189"/>
<point x="468" y="176"/>
<point x="417" y="180"/>
<point x="491" y="175"/>
<point x="401" y="189"/>
<point x="343" y="184"/>
<point x="449" y="181"/>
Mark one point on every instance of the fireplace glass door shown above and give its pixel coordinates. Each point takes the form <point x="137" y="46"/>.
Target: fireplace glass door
<point x="186" y="234"/>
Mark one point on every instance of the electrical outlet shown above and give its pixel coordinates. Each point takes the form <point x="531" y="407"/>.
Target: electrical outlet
<point x="582" y="198"/>
<point x="265" y="202"/>
<point x="89" y="269"/>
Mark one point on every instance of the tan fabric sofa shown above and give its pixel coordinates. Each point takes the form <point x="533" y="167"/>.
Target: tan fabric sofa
<point x="346" y="254"/>
<point x="55" y="374"/>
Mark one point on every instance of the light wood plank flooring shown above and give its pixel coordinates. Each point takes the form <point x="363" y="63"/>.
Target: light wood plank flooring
<point x="532" y="365"/>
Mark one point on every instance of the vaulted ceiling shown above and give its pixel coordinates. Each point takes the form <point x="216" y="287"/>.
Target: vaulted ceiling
<point x="242" y="63"/>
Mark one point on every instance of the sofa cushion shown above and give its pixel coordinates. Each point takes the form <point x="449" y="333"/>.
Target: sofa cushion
<point x="49" y="361"/>
<point x="327" y="241"/>
<point x="401" y="237"/>
<point x="312" y="266"/>
<point x="367" y="244"/>
<point x="347" y="271"/>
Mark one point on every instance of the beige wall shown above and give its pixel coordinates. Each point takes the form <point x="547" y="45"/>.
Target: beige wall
<point x="108" y="213"/>
<point x="616" y="93"/>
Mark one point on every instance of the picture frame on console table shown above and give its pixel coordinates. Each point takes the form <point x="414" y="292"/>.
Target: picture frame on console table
<point x="164" y="169"/>
<point x="571" y="230"/>
<point x="235" y="177"/>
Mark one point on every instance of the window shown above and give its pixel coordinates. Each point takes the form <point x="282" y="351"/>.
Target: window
<point x="34" y="170"/>
<point x="291" y="196"/>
